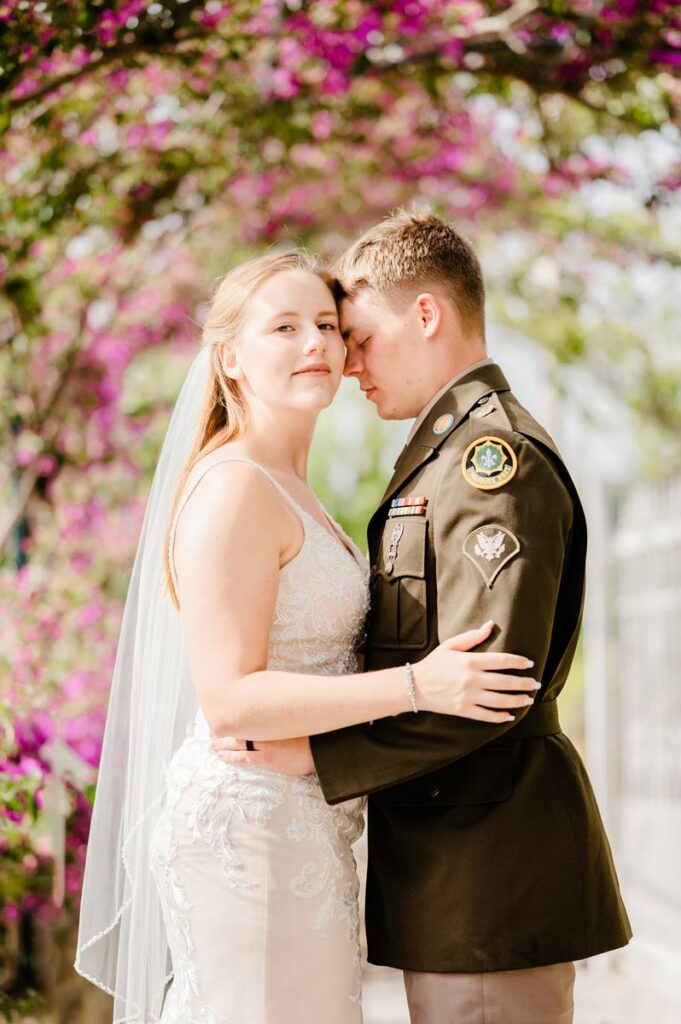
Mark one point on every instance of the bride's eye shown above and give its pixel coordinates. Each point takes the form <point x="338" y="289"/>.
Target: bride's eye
<point x="327" y="326"/>
<point x="284" y="328"/>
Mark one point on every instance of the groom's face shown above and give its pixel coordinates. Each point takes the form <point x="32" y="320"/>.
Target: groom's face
<point x="383" y="352"/>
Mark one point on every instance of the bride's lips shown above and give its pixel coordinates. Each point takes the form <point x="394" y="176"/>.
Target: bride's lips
<point x="368" y="392"/>
<point x="314" y="369"/>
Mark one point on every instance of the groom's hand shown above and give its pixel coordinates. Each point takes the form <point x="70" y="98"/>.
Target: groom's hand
<point x="289" y="757"/>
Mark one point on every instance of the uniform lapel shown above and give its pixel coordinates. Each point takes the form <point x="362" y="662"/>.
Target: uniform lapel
<point x="457" y="402"/>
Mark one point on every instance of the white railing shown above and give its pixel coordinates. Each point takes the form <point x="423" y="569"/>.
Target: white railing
<point x="633" y="710"/>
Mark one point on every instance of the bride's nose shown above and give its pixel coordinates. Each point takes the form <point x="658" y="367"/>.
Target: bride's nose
<point x="315" y="341"/>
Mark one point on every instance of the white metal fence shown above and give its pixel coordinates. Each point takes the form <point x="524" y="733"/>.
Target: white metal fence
<point x="633" y="710"/>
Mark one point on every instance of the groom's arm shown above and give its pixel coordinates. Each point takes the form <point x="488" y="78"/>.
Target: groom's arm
<point x="530" y="517"/>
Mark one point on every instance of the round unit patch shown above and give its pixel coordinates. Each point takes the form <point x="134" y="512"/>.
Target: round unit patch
<point x="443" y="423"/>
<point x="489" y="463"/>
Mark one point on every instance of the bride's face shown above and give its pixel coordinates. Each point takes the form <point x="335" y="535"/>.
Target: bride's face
<point x="290" y="353"/>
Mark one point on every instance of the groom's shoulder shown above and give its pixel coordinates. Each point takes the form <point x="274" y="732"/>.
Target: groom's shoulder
<point x="498" y="437"/>
<point x="501" y="411"/>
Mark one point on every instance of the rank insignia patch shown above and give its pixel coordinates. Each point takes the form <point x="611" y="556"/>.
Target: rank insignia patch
<point x="490" y="548"/>
<point x="489" y="463"/>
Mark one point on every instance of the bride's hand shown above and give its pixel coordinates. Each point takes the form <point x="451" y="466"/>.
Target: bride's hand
<point x="288" y="757"/>
<point x="452" y="680"/>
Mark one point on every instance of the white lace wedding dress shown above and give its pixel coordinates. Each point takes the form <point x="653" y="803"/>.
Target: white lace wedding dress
<point x="255" y="870"/>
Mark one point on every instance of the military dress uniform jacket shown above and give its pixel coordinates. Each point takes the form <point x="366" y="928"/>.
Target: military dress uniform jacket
<point x="486" y="847"/>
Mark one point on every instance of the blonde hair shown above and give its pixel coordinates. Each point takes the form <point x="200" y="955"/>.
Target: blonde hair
<point x="410" y="249"/>
<point x="224" y="414"/>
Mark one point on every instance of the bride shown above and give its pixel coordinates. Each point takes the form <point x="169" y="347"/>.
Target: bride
<point x="223" y="893"/>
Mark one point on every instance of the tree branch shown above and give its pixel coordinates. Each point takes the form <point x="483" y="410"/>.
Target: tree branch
<point x="109" y="56"/>
<point x="27" y="482"/>
<point x="30" y="476"/>
<point x="498" y="26"/>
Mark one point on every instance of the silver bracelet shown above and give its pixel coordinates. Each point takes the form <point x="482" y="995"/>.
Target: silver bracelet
<point x="411" y="689"/>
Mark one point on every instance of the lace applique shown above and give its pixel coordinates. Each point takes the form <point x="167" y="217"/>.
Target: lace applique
<point x="175" y="906"/>
<point x="173" y="1013"/>
<point x="218" y="792"/>
<point x="334" y="875"/>
<point x="208" y="1017"/>
<point x="319" y="619"/>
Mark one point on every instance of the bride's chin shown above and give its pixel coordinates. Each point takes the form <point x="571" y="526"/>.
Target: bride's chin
<point x="317" y="400"/>
<point x="303" y="404"/>
<point x="319" y="404"/>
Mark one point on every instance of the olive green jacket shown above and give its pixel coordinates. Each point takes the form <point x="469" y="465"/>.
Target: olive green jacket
<point x="486" y="847"/>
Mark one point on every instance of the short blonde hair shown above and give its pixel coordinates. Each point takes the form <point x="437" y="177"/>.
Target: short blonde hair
<point x="412" y="250"/>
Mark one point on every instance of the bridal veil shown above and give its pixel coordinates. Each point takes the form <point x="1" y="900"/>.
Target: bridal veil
<point x="122" y="944"/>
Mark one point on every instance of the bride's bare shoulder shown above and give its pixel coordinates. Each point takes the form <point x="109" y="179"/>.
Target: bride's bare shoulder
<point x="230" y="515"/>
<point x="230" y="487"/>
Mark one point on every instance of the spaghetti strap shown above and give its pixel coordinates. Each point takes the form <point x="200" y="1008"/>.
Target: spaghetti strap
<point x="188" y="493"/>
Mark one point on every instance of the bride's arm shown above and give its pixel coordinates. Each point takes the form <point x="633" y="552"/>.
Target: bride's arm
<point x="232" y="537"/>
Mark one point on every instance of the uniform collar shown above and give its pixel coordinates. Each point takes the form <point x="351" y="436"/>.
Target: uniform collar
<point x="450" y="409"/>
<point x="438" y="395"/>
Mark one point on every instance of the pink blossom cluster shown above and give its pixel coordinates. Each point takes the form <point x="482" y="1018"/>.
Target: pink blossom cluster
<point x="326" y="45"/>
<point x="27" y="867"/>
<point x="115" y="20"/>
<point x="60" y="620"/>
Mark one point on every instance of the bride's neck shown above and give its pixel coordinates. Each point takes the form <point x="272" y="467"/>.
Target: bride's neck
<point x="284" y="445"/>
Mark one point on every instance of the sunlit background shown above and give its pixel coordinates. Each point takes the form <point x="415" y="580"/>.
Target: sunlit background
<point x="149" y="147"/>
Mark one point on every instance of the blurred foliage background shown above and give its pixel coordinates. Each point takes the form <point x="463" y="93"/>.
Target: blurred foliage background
<point x="147" y="148"/>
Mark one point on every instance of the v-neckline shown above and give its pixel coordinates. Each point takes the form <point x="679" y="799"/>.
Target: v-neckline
<point x="339" y="533"/>
<point x="336" y="533"/>
<point x="333" y="534"/>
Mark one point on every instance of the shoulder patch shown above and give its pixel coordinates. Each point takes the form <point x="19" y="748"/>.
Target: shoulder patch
<point x="489" y="463"/>
<point x="490" y="548"/>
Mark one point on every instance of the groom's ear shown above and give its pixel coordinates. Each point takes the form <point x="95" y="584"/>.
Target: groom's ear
<point x="429" y="309"/>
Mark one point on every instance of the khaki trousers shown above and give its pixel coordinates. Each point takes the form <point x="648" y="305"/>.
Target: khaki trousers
<point x="540" y="995"/>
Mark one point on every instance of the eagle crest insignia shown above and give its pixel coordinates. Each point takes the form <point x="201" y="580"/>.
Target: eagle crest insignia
<point x="490" y="548"/>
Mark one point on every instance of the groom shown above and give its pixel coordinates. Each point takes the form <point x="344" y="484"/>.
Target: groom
<point x="489" y="869"/>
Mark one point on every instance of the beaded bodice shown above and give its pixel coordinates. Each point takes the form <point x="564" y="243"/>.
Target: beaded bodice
<point x="322" y="599"/>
